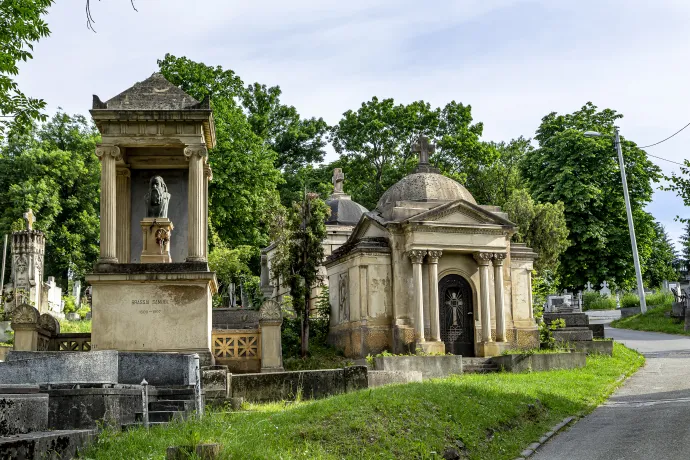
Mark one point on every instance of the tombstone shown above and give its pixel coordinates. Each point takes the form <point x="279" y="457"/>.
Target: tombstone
<point x="605" y="291"/>
<point x="54" y="298"/>
<point x="589" y="287"/>
<point x="76" y="293"/>
<point x="559" y="303"/>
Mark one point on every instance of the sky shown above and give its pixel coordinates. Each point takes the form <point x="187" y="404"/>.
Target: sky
<point x="513" y="61"/>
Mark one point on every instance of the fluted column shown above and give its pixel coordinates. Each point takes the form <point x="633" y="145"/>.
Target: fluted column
<point x="417" y="257"/>
<point x="433" y="295"/>
<point x="124" y="215"/>
<point x="499" y="297"/>
<point x="208" y="176"/>
<point x="108" y="155"/>
<point x="483" y="259"/>
<point x="196" y="155"/>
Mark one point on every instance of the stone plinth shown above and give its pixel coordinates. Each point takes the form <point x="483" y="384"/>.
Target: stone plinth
<point x="22" y="412"/>
<point x="488" y="349"/>
<point x="152" y="307"/>
<point x="430" y="348"/>
<point x="156" y="235"/>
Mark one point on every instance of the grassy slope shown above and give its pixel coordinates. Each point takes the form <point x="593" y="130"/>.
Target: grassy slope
<point x="494" y="415"/>
<point x="75" y="326"/>
<point x="655" y="320"/>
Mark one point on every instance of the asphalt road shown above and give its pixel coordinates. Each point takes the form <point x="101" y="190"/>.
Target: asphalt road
<point x="648" y="417"/>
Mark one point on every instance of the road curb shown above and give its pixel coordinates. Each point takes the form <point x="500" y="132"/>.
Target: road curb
<point x="536" y="445"/>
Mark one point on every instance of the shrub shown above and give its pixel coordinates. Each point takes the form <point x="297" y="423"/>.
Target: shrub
<point x="596" y="301"/>
<point x="70" y="304"/>
<point x="630" y="300"/>
<point x="546" y="332"/>
<point x="659" y="299"/>
<point x="83" y="310"/>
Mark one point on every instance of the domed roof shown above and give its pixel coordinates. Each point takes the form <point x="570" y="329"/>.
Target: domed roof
<point x="344" y="212"/>
<point x="423" y="186"/>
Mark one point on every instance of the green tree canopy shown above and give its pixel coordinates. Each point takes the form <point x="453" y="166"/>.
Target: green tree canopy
<point x="659" y="266"/>
<point x="21" y="24"/>
<point x="53" y="171"/>
<point x="583" y="174"/>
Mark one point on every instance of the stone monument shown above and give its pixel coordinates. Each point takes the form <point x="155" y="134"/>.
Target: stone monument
<point x="151" y="288"/>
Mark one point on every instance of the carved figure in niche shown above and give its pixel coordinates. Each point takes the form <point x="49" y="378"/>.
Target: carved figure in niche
<point x="344" y="306"/>
<point x="157" y="198"/>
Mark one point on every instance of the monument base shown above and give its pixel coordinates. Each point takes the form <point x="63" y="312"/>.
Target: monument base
<point x="156" y="233"/>
<point x="135" y="309"/>
<point x="489" y="349"/>
<point x="430" y="348"/>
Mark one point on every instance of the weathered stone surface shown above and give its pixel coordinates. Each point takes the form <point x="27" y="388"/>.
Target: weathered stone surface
<point x="232" y="318"/>
<point x="603" y="347"/>
<point x="135" y="269"/>
<point x="159" y="369"/>
<point x="571" y="319"/>
<point x="429" y="366"/>
<point x="380" y="378"/>
<point x="573" y="334"/>
<point x="215" y="382"/>
<point x="4" y="351"/>
<point x="277" y="386"/>
<point x="631" y="311"/>
<point x="598" y="331"/>
<point x="60" y="367"/>
<point x="85" y="408"/>
<point x="50" y="445"/>
<point x="23" y="413"/>
<point x="540" y="362"/>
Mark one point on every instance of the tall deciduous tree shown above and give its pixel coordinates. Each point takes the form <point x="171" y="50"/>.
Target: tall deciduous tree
<point x="53" y="171"/>
<point x="659" y="266"/>
<point x="299" y="253"/>
<point x="583" y="174"/>
<point x="21" y="25"/>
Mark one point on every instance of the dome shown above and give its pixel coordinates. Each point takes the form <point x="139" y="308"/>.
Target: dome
<point x="344" y="212"/>
<point x="423" y="186"/>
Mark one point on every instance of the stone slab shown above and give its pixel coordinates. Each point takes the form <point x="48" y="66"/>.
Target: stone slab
<point x="571" y="319"/>
<point x="60" y="367"/>
<point x="540" y="362"/>
<point x="159" y="369"/>
<point x="23" y="413"/>
<point x="46" y="445"/>
<point x="602" y="347"/>
<point x="86" y="408"/>
<point x="573" y="334"/>
<point x="598" y="331"/>
<point x="381" y="378"/>
<point x="278" y="386"/>
<point x="429" y="366"/>
<point x="19" y="389"/>
<point x="627" y="312"/>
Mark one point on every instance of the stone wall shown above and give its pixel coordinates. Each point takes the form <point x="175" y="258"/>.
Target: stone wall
<point x="233" y="318"/>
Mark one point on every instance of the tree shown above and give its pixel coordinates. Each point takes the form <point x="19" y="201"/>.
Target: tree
<point x="680" y="183"/>
<point x="374" y="144"/>
<point x="583" y="174"/>
<point x="299" y="253"/>
<point x="541" y="226"/>
<point x="21" y="25"/>
<point x="685" y="248"/>
<point x="53" y="171"/>
<point x="659" y="265"/>
<point x="243" y="191"/>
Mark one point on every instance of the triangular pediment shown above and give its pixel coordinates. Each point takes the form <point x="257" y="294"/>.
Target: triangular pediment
<point x="461" y="212"/>
<point x="368" y="227"/>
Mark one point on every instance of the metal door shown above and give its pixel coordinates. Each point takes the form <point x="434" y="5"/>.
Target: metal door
<point x="456" y="315"/>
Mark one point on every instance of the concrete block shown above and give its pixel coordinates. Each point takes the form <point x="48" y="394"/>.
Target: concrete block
<point x="540" y="362"/>
<point x="598" y="331"/>
<point x="573" y="334"/>
<point x="215" y="382"/>
<point x="159" y="369"/>
<point x="46" y="445"/>
<point x="355" y="378"/>
<point x="23" y="413"/>
<point x="602" y="347"/>
<point x="627" y="312"/>
<point x="381" y="378"/>
<point x="571" y="319"/>
<point x="86" y="408"/>
<point x="99" y="367"/>
<point x="429" y="366"/>
<point x="4" y="351"/>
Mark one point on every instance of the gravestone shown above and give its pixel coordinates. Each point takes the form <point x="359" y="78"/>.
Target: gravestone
<point x="605" y="291"/>
<point x="76" y="292"/>
<point x="55" y="304"/>
<point x="589" y="287"/>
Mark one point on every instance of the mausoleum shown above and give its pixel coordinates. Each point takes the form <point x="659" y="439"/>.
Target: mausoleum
<point x="429" y="269"/>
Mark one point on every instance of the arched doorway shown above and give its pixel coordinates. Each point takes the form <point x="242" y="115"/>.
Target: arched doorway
<point x="456" y="315"/>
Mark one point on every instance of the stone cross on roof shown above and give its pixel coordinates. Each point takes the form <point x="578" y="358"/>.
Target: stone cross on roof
<point x="30" y="219"/>
<point x="423" y="147"/>
<point x="338" y="178"/>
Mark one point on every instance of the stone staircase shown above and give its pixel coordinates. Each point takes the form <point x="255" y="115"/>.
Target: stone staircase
<point x="165" y="405"/>
<point x="478" y="366"/>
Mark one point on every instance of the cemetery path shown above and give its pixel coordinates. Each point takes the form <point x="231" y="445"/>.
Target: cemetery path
<point x="648" y="417"/>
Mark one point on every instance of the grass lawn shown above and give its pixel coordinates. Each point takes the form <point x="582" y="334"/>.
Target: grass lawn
<point x="75" y="326"/>
<point x="494" y="416"/>
<point x="655" y="320"/>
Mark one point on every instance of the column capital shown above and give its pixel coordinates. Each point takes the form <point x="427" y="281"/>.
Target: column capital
<point x="483" y="258"/>
<point x="416" y="255"/>
<point x="434" y="255"/>
<point x="123" y="172"/>
<point x="498" y="258"/>
<point x="104" y="150"/>
<point x="192" y="150"/>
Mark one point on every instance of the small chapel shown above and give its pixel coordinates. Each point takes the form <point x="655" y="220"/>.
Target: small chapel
<point x="429" y="270"/>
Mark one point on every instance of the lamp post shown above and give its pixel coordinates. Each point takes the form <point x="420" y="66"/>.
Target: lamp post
<point x="631" y="226"/>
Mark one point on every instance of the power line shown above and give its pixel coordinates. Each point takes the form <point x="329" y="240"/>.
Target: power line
<point x="664" y="140"/>
<point x="670" y="161"/>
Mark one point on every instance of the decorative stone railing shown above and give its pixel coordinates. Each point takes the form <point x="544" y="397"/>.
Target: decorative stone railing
<point x="36" y="332"/>
<point x="239" y="349"/>
<point x="71" y="342"/>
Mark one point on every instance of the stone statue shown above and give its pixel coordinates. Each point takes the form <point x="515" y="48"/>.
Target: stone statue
<point x="157" y="198"/>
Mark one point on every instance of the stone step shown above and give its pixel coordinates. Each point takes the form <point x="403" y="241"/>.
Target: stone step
<point x="46" y="444"/>
<point x="573" y="334"/>
<point x="475" y="361"/>
<point x="161" y="416"/>
<point x="479" y="368"/>
<point x="171" y="405"/>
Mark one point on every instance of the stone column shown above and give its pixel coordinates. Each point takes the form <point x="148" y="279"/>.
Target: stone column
<point x="270" y="320"/>
<point x="108" y="154"/>
<point x="417" y="257"/>
<point x="208" y="176"/>
<point x="433" y="295"/>
<point x="124" y="215"/>
<point x="499" y="297"/>
<point x="196" y="211"/>
<point x="483" y="259"/>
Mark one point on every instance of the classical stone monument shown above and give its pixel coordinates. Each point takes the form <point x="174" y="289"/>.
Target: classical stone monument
<point x="151" y="286"/>
<point x="431" y="270"/>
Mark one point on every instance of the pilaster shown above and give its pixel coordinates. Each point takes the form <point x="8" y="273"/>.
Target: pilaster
<point x="417" y="257"/>
<point x="109" y="155"/>
<point x="433" y="258"/>
<point x="498" y="259"/>
<point x="483" y="259"/>
<point x="124" y="214"/>
<point x="196" y="155"/>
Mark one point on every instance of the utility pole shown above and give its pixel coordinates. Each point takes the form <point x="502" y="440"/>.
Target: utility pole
<point x="631" y="226"/>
